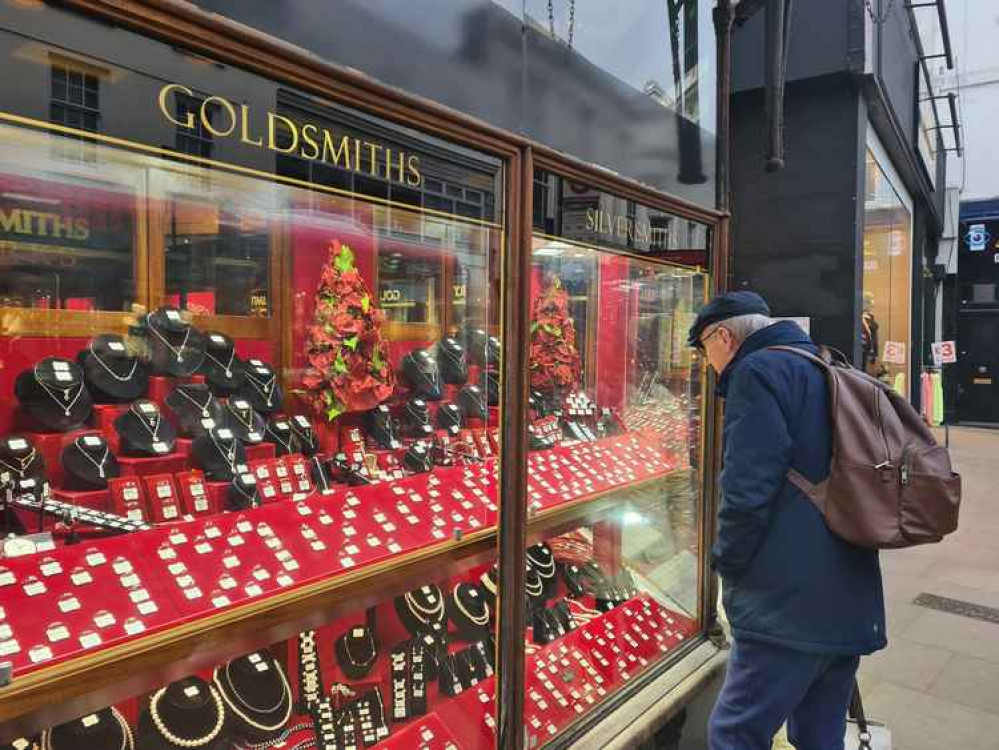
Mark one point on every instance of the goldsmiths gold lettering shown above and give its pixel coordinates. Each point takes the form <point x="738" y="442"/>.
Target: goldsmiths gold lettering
<point x="43" y="224"/>
<point x="221" y="118"/>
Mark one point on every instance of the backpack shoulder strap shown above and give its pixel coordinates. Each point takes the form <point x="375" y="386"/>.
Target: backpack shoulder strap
<point x="821" y="361"/>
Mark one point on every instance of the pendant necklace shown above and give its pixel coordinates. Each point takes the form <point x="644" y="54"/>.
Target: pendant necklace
<point x="238" y="414"/>
<point x="202" y="407"/>
<point x="282" y="443"/>
<point x="178" y="351"/>
<point x="24" y="462"/>
<point x="99" y="465"/>
<point x="152" y="429"/>
<point x="109" y="370"/>
<point x="226" y="367"/>
<point x="229" y="454"/>
<point x="67" y="407"/>
<point x="173" y="739"/>
<point x="264" y="388"/>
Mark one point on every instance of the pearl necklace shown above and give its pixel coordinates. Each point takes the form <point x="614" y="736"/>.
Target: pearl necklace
<point x="178" y="351"/>
<point x="67" y="407"/>
<point x="480" y="620"/>
<point x="424" y="615"/>
<point x="180" y="741"/>
<point x="534" y="591"/>
<point x="127" y="741"/>
<point x="545" y="570"/>
<point x="286" y="692"/>
<point x="111" y="372"/>
<point x="98" y="465"/>
<point x="202" y="407"/>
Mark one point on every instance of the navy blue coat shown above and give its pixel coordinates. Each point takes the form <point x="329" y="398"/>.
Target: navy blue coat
<point x="787" y="579"/>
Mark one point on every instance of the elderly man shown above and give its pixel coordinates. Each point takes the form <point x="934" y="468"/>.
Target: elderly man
<point x="804" y="605"/>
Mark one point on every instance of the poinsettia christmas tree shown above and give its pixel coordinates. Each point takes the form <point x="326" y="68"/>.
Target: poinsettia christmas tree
<point x="349" y="368"/>
<point x="555" y="361"/>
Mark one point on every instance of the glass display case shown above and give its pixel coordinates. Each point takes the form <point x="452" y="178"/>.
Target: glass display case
<point x="254" y="418"/>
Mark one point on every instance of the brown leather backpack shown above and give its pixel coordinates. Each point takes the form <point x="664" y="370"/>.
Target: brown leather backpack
<point x="890" y="484"/>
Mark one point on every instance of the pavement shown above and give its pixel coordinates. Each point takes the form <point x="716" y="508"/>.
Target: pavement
<point x="936" y="686"/>
<point x="937" y="683"/>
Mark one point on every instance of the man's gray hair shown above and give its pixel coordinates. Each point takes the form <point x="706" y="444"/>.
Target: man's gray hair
<point x="743" y="326"/>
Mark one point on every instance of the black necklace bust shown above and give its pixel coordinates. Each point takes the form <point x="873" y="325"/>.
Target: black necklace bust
<point x="356" y="652"/>
<point x="194" y="408"/>
<point x="218" y="452"/>
<point x="176" y="348"/>
<point x="381" y="427"/>
<point x="418" y="459"/>
<point x="422" y="375"/>
<point x="472" y="401"/>
<point x="489" y="382"/>
<point x="242" y="493"/>
<point x="111" y="372"/>
<point x="416" y="419"/>
<point x="222" y="369"/>
<point x="420" y="608"/>
<point x="489" y="585"/>
<point x="104" y="730"/>
<point x="88" y="463"/>
<point x="143" y="432"/>
<point x="19" y="458"/>
<point x="186" y="713"/>
<point x="453" y="361"/>
<point x="483" y="349"/>
<point x="450" y="418"/>
<point x="541" y="558"/>
<point x="468" y="610"/>
<point x="245" y="423"/>
<point x="305" y="436"/>
<point x="279" y="433"/>
<point x="260" y="387"/>
<point x="53" y="396"/>
<point x="256" y="695"/>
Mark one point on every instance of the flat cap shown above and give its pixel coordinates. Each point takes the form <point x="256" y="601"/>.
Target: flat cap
<point x="725" y="306"/>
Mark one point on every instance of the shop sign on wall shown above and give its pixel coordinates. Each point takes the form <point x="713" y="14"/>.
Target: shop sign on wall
<point x="894" y="353"/>
<point x="944" y="352"/>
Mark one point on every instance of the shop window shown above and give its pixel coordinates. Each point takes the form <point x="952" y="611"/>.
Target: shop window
<point x="75" y="99"/>
<point x="885" y="332"/>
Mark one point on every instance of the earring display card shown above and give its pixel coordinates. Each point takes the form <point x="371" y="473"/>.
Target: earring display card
<point x="194" y="494"/>
<point x="162" y="498"/>
<point x="128" y="498"/>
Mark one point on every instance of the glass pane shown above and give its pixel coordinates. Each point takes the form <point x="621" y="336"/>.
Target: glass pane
<point x="67" y="237"/>
<point x="885" y="319"/>
<point x="615" y="418"/>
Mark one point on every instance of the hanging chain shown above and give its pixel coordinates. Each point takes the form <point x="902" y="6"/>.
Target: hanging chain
<point x="572" y="20"/>
<point x="869" y="5"/>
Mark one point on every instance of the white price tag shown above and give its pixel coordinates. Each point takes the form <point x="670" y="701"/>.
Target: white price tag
<point x="50" y="568"/>
<point x="148" y="608"/>
<point x="220" y="601"/>
<point x="164" y="490"/>
<point x="104" y="619"/>
<point x="40" y="653"/>
<point x="90" y="640"/>
<point x="203" y="549"/>
<point x="92" y="440"/>
<point x="208" y="424"/>
<point x="68" y="604"/>
<point x="57" y="633"/>
<point x="253" y="590"/>
<point x="148" y="408"/>
<point x="9" y="647"/>
<point x="17" y="444"/>
<point x="134" y="627"/>
<point x="138" y="596"/>
<point x="63" y="376"/>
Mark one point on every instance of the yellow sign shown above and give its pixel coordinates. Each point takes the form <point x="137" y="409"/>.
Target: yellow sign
<point x="43" y="224"/>
<point x="306" y="140"/>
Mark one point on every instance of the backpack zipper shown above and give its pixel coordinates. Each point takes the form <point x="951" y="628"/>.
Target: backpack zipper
<point x="881" y="429"/>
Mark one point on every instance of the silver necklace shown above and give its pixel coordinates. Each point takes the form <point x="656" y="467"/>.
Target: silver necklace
<point x="228" y="366"/>
<point x="107" y="367"/>
<point x="24" y="462"/>
<point x="202" y="407"/>
<point x="65" y="404"/>
<point x="236" y="412"/>
<point x="264" y="388"/>
<point x="178" y="351"/>
<point x="350" y="657"/>
<point x="228" y="454"/>
<point x="152" y="430"/>
<point x="285" y="445"/>
<point x="99" y="465"/>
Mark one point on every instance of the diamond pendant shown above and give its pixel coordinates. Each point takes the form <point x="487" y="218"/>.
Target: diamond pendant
<point x="180" y="357"/>
<point x="67" y="412"/>
<point x="204" y="412"/>
<point x="65" y="395"/>
<point x="101" y="470"/>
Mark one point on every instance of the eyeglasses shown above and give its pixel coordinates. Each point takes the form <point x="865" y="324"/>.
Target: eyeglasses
<point x="701" y="342"/>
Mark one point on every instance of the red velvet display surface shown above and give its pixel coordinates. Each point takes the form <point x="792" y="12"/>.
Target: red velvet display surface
<point x="426" y="733"/>
<point x="102" y="418"/>
<point x="235" y="557"/>
<point x="163" y="498"/>
<point x="144" y="467"/>
<point x="128" y="498"/>
<point x="194" y="494"/>
<point x="260" y="452"/>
